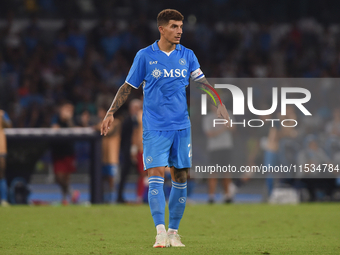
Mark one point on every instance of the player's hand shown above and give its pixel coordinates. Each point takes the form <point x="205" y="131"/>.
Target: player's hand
<point x="223" y="113"/>
<point x="107" y="122"/>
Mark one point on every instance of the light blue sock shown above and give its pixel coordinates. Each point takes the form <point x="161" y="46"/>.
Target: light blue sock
<point x="3" y="189"/>
<point x="157" y="199"/>
<point x="177" y="201"/>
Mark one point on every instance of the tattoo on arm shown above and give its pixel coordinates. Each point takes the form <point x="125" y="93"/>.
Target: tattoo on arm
<point x="120" y="98"/>
<point x="200" y="84"/>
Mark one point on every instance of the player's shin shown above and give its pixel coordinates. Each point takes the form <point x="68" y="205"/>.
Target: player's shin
<point x="177" y="201"/>
<point x="157" y="202"/>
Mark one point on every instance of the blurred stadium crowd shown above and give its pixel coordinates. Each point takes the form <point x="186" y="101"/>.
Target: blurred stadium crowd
<point x="45" y="62"/>
<point x="48" y="58"/>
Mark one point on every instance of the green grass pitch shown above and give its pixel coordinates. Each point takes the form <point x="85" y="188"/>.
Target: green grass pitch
<point x="205" y="229"/>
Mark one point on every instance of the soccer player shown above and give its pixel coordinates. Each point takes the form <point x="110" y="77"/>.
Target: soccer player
<point x="110" y="159"/>
<point x="163" y="69"/>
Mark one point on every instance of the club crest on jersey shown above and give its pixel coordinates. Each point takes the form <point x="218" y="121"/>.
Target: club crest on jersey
<point x="182" y="61"/>
<point x="156" y="73"/>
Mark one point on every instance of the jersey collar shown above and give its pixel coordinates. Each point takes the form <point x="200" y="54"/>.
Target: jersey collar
<point x="155" y="46"/>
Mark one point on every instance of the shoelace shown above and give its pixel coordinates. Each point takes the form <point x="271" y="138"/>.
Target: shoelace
<point x="159" y="236"/>
<point x="177" y="236"/>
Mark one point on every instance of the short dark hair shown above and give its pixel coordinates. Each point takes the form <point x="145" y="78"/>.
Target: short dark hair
<point x="166" y="15"/>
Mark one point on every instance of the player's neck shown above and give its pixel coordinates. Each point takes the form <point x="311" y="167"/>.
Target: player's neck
<point x="165" y="45"/>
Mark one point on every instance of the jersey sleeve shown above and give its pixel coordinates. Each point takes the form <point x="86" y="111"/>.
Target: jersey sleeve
<point x="195" y="70"/>
<point x="137" y="71"/>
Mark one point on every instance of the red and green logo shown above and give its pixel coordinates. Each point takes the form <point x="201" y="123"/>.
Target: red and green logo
<point x="209" y="93"/>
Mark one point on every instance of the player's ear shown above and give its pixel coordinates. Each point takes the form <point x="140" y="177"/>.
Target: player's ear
<point x="161" y="29"/>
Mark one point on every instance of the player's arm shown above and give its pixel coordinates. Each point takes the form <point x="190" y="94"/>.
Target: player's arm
<point x="197" y="76"/>
<point x="120" y="98"/>
<point x="221" y="110"/>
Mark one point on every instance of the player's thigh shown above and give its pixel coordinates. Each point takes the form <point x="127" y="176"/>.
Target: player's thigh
<point x="181" y="150"/>
<point x="156" y="148"/>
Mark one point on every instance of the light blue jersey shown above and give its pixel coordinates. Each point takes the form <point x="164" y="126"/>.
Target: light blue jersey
<point x="164" y="77"/>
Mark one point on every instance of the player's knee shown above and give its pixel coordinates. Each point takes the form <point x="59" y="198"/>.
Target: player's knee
<point x="156" y="171"/>
<point x="181" y="179"/>
<point x="181" y="175"/>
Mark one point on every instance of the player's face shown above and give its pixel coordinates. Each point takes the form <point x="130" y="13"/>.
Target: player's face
<point x="172" y="32"/>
